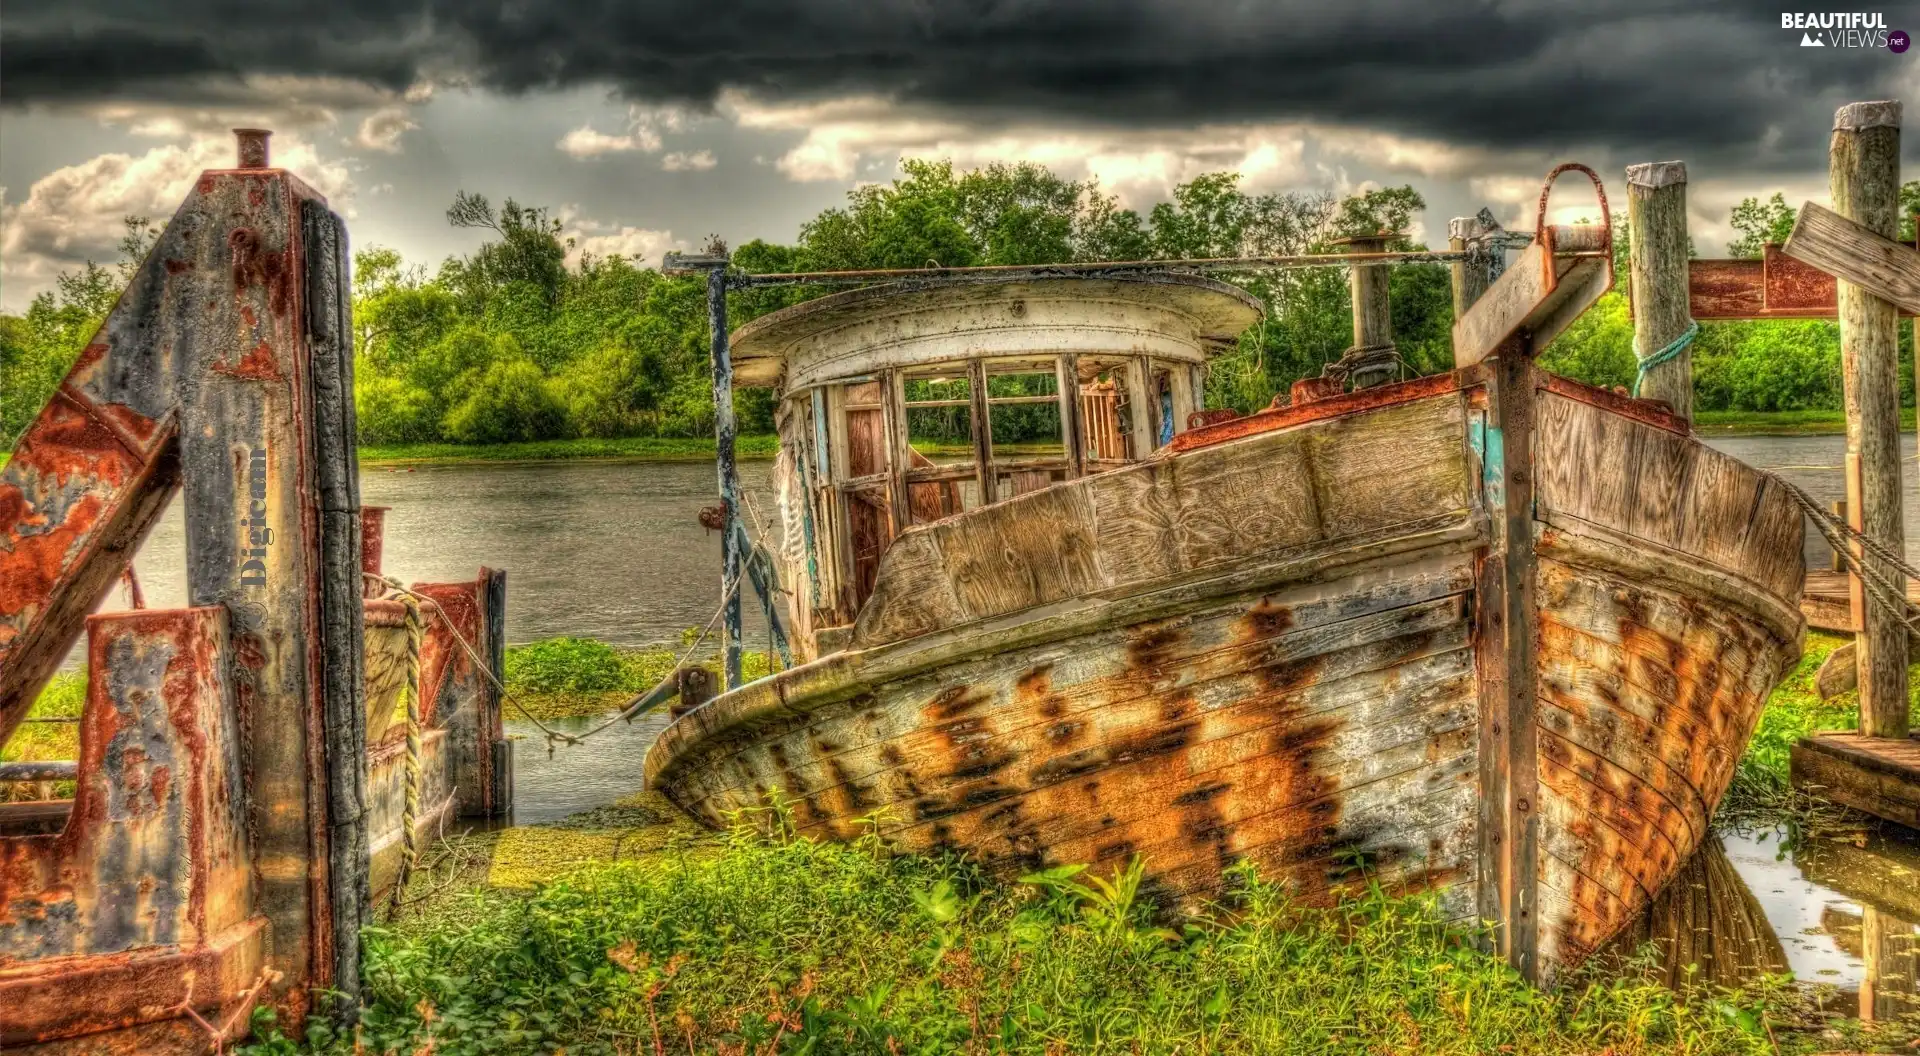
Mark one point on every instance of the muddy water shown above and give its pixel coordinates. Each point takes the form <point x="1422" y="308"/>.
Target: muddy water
<point x="595" y="549"/>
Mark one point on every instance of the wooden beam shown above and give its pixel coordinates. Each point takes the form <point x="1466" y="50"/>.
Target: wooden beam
<point x="1066" y="375"/>
<point x="1523" y="301"/>
<point x="1864" y="175"/>
<point x="1856" y="253"/>
<point x="1657" y="237"/>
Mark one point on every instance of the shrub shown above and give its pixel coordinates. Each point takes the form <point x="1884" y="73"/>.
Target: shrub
<point x="510" y="401"/>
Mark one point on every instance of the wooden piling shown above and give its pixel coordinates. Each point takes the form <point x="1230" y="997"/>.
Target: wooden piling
<point x="1864" y="174"/>
<point x="1657" y="238"/>
<point x="1372" y="310"/>
<point x="723" y="458"/>
<point x="1472" y="277"/>
<point x="982" y="430"/>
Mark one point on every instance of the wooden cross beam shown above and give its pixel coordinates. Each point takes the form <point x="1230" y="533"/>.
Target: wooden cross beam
<point x="1556" y="278"/>
<point x="1836" y="245"/>
<point x="1784" y="283"/>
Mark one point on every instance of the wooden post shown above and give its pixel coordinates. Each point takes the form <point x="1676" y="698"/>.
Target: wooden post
<point x="731" y="559"/>
<point x="1140" y="407"/>
<point x="893" y="420"/>
<point x="1864" y="174"/>
<point x="1066" y="374"/>
<point x="1372" y="310"/>
<point x="1504" y="647"/>
<point x="1657" y="237"/>
<point x="1472" y="277"/>
<point x="336" y="475"/>
<point x="982" y="431"/>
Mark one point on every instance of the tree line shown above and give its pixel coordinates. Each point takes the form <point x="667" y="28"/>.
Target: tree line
<point x="522" y="339"/>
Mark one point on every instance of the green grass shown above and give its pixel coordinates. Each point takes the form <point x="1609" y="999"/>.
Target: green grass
<point x="749" y="944"/>
<point x="63" y="698"/>
<point x="1781" y="423"/>
<point x="569" y="677"/>
<point x="632" y="449"/>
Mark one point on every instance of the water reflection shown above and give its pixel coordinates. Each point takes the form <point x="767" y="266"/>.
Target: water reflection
<point x="1842" y="915"/>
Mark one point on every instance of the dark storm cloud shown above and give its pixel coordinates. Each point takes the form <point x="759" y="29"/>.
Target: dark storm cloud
<point x="1542" y="74"/>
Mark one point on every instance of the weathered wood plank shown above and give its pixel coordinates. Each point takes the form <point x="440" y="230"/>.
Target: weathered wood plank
<point x="1877" y="775"/>
<point x="1519" y="303"/>
<point x="1050" y="732"/>
<point x="1862" y="256"/>
<point x="1042" y="687"/>
<point x="1645" y="483"/>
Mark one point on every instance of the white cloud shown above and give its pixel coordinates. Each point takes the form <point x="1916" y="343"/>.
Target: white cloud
<point x="841" y="138"/>
<point x="645" y="126"/>
<point x="600" y="239"/>
<point x="681" y="161"/>
<point x="73" y="214"/>
<point x="589" y="142"/>
<point x="382" y="129"/>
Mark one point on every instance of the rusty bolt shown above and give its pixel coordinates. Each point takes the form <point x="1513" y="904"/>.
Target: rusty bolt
<point x="1525" y="806"/>
<point x="253" y="147"/>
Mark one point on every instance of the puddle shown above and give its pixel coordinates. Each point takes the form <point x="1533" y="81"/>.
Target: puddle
<point x="1843" y="917"/>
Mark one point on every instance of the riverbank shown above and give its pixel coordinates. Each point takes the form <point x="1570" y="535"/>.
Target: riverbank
<point x="700" y="449"/>
<point x="1781" y="423"/>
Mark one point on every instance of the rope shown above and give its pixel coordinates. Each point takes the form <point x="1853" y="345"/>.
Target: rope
<point x="1674" y="348"/>
<point x="634" y="707"/>
<point x="1364" y="359"/>
<point x="1843" y="538"/>
<point x="416" y="631"/>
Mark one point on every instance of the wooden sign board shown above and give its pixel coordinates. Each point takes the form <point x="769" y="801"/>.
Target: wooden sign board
<point x="1522" y="301"/>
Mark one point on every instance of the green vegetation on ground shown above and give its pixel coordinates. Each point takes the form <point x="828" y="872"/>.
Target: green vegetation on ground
<point x="572" y="677"/>
<point x="773" y="944"/>
<point x="616" y="449"/>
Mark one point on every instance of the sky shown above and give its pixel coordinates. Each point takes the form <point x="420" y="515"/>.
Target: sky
<point x="647" y="125"/>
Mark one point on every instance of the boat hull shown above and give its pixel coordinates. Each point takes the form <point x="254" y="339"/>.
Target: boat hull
<point x="1271" y="649"/>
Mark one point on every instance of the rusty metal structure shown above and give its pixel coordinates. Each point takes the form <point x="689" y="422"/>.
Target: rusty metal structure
<point x="236" y="804"/>
<point x="1490" y="633"/>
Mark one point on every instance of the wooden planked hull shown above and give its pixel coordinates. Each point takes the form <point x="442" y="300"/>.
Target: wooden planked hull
<point x="1269" y="649"/>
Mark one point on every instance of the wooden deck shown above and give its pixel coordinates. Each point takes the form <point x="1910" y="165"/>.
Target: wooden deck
<point x="1824" y="602"/>
<point x="1877" y="775"/>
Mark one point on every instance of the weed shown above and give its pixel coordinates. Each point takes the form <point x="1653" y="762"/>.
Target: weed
<point x="771" y="943"/>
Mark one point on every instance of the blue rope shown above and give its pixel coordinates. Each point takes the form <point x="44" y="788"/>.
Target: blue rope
<point x="1674" y="348"/>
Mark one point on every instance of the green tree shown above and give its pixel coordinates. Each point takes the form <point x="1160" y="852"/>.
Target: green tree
<point x="1760" y="223"/>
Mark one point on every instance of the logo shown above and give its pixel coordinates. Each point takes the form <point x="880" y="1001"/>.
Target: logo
<point x="1898" y="41"/>
<point x="253" y="570"/>
<point x="1843" y="29"/>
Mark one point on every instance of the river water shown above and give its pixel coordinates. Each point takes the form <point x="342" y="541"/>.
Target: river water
<point x="614" y="551"/>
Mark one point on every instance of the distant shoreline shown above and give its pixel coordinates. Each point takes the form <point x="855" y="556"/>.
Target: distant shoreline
<point x="689" y="449"/>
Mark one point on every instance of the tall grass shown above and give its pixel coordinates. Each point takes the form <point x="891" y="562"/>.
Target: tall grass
<point x="786" y="945"/>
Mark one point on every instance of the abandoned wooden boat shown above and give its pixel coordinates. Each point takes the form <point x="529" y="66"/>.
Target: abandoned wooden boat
<point x="1491" y="633"/>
